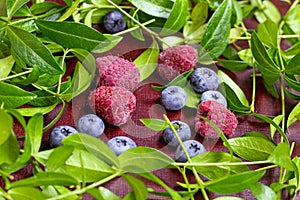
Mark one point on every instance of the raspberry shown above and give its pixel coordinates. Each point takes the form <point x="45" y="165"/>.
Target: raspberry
<point x="176" y="60"/>
<point x="219" y="115"/>
<point x="116" y="71"/>
<point x="113" y="104"/>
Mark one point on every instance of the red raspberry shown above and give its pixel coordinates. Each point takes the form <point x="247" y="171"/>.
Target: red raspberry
<point x="219" y="115"/>
<point x="176" y="60"/>
<point x="116" y="71"/>
<point x="114" y="104"/>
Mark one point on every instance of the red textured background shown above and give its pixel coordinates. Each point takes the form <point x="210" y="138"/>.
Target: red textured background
<point x="148" y="106"/>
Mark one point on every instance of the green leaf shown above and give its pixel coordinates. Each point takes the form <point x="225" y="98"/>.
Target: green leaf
<point x="25" y="193"/>
<point x="281" y="156"/>
<point x="31" y="78"/>
<point x="262" y="192"/>
<point x="293" y="67"/>
<point x="103" y="193"/>
<point x="193" y="98"/>
<point x="155" y="124"/>
<point x="235" y="183"/>
<point x="246" y="56"/>
<point x="29" y="48"/>
<point x="143" y="159"/>
<point x="110" y="42"/>
<point x="216" y="35"/>
<point x="93" y="145"/>
<point x="292" y="82"/>
<point x="43" y="7"/>
<point x="5" y="126"/>
<point x="234" y="65"/>
<point x="292" y="95"/>
<point x="267" y="33"/>
<point x="271" y="11"/>
<point x="156" y="8"/>
<point x="217" y="171"/>
<point x="237" y="13"/>
<point x="58" y="157"/>
<point x="71" y="34"/>
<point x="9" y="150"/>
<point x="44" y="179"/>
<point x="138" y="187"/>
<point x="200" y="13"/>
<point x="13" y="6"/>
<point x="277" y="120"/>
<point x="252" y="148"/>
<point x="147" y="61"/>
<point x="270" y="71"/>
<point x="12" y="96"/>
<point x="29" y="112"/>
<point x="293" y="116"/>
<point x="6" y="65"/>
<point x="228" y="198"/>
<point x="177" y="18"/>
<point x="193" y="32"/>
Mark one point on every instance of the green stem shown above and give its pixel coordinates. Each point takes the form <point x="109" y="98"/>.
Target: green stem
<point x="56" y="118"/>
<point x="82" y="190"/>
<point x="199" y="181"/>
<point x="16" y="75"/>
<point x="134" y="28"/>
<point x="221" y="163"/>
<point x="279" y="36"/>
<point x="103" y="7"/>
<point x="267" y="167"/>
<point x="252" y="106"/>
<point x="186" y="181"/>
<point x="62" y="67"/>
<point x="5" y="194"/>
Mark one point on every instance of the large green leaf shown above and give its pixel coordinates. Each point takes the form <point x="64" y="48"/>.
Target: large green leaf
<point x="71" y="34"/>
<point x="12" y="96"/>
<point x="293" y="67"/>
<point x="138" y="187"/>
<point x="177" y="18"/>
<point x="9" y="149"/>
<point x="13" y="6"/>
<point x="281" y="156"/>
<point x="31" y="50"/>
<point x="262" y="192"/>
<point x="25" y="193"/>
<point x="216" y="35"/>
<point x="235" y="183"/>
<point x="252" y="148"/>
<point x="5" y="126"/>
<point x="267" y="32"/>
<point x="157" y="8"/>
<point x="6" y="65"/>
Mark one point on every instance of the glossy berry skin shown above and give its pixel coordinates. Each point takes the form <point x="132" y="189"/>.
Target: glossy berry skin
<point x="183" y="131"/>
<point x="59" y="133"/>
<point x="173" y="98"/>
<point x="119" y="144"/>
<point x="91" y="124"/>
<point x="204" y="79"/>
<point x="114" y="22"/>
<point x="213" y="95"/>
<point x="193" y="148"/>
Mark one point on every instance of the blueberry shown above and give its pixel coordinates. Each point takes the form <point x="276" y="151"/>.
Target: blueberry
<point x="193" y="147"/>
<point x="120" y="144"/>
<point x="213" y="95"/>
<point x="173" y="98"/>
<point x="183" y="130"/>
<point x="114" y="22"/>
<point x="90" y="124"/>
<point x="59" y="133"/>
<point x="203" y="79"/>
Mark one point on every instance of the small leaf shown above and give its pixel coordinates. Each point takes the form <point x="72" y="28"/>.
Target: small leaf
<point x="267" y="32"/>
<point x="143" y="159"/>
<point x="155" y="124"/>
<point x="138" y="187"/>
<point x="29" y="48"/>
<point x="293" y="66"/>
<point x="235" y="183"/>
<point x="12" y="96"/>
<point x="35" y="132"/>
<point x="58" y="157"/>
<point x="110" y="42"/>
<point x="5" y="126"/>
<point x="234" y="65"/>
<point x="9" y="150"/>
<point x="216" y="36"/>
<point x="44" y="179"/>
<point x="252" y="148"/>
<point x="214" y="172"/>
<point x="24" y="193"/>
<point x="157" y="8"/>
<point x="262" y="192"/>
<point x="200" y="13"/>
<point x="103" y="193"/>
<point x="29" y="112"/>
<point x="281" y="156"/>
<point x="71" y="34"/>
<point x="147" y="61"/>
<point x="193" y="98"/>
<point x="276" y="120"/>
<point x="177" y="18"/>
<point x="292" y="82"/>
<point x="6" y="65"/>
<point x="228" y="198"/>
<point x="32" y="77"/>
<point x="292" y="118"/>
<point x="13" y="6"/>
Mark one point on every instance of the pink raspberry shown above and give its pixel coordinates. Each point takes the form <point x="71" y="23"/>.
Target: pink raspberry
<point x="114" y="104"/>
<point x="176" y="60"/>
<point x="219" y="115"/>
<point x="116" y="71"/>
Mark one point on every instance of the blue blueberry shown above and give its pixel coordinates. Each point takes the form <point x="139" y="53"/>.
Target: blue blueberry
<point x="193" y="147"/>
<point x="120" y="144"/>
<point x="91" y="124"/>
<point x="213" y="95"/>
<point x="173" y="98"/>
<point x="114" y="22"/>
<point x="59" y="133"/>
<point x="183" y="130"/>
<point x="203" y="79"/>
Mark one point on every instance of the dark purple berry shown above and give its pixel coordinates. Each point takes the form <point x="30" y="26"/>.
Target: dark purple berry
<point x="183" y="130"/>
<point x="91" y="124"/>
<point x="193" y="148"/>
<point x="204" y="79"/>
<point x="213" y="95"/>
<point x="114" y="22"/>
<point x="120" y="144"/>
<point x="59" y="133"/>
<point x="173" y="98"/>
